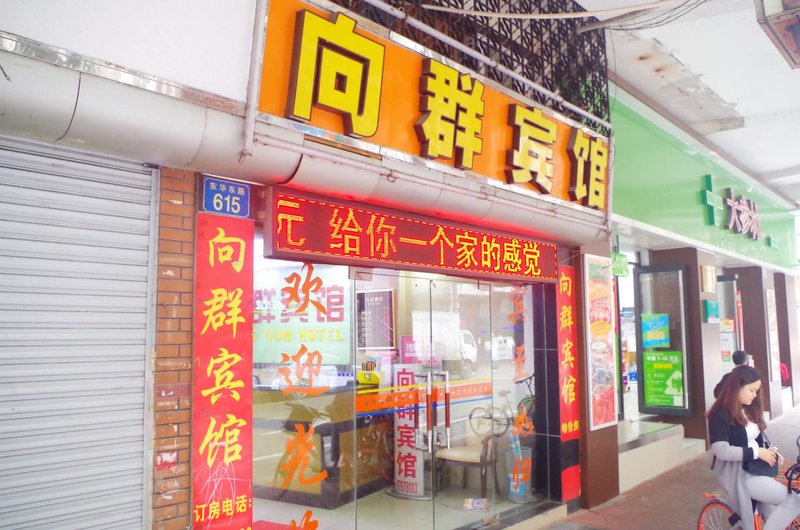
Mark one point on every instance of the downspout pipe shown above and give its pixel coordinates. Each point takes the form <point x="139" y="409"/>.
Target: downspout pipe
<point x="253" y="83"/>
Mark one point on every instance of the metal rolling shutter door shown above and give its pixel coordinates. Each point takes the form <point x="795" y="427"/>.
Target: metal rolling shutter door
<point x="76" y="238"/>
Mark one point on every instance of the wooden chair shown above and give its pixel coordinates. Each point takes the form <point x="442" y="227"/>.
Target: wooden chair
<point x="481" y="456"/>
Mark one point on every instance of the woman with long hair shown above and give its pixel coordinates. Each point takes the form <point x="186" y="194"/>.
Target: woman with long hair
<point x="735" y="425"/>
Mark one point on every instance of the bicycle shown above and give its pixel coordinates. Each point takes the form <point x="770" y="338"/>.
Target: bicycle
<point x="485" y="418"/>
<point x="717" y="515"/>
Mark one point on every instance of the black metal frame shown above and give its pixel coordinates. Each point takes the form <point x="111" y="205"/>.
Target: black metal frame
<point x="550" y="53"/>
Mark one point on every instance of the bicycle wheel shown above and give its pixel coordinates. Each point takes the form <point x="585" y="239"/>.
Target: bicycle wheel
<point x="526" y="407"/>
<point x="485" y="420"/>
<point x="715" y="515"/>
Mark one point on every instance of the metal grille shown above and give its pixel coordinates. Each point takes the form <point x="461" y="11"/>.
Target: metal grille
<point x="550" y="53"/>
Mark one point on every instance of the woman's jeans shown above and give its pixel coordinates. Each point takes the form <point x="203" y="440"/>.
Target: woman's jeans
<point x="778" y="506"/>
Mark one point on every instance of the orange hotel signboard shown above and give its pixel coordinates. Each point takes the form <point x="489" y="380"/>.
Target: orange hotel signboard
<point x="323" y="69"/>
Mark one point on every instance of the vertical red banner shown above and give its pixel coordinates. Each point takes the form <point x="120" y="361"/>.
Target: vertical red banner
<point x="222" y="436"/>
<point x="568" y="375"/>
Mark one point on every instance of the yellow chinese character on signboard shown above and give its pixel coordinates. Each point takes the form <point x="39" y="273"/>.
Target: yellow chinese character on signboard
<point x="216" y="315"/>
<point x="531" y="254"/>
<point x="337" y="69"/>
<point x="531" y="156"/>
<point x="227" y="249"/>
<point x="512" y="261"/>
<point x="441" y="239"/>
<point x="381" y="235"/>
<point x="346" y="233"/>
<point x="465" y="250"/>
<point x="227" y="436"/>
<point x="452" y="110"/>
<point x="589" y="158"/>
<point x="286" y="221"/>
<point x="490" y="253"/>
<point x="223" y="376"/>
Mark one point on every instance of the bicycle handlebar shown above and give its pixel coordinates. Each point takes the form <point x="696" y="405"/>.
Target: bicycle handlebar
<point x="526" y="380"/>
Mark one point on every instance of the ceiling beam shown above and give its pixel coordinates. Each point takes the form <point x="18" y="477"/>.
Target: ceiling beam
<point x="789" y="175"/>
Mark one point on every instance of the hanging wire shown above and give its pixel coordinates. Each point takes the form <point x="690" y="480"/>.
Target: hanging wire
<point x="658" y="19"/>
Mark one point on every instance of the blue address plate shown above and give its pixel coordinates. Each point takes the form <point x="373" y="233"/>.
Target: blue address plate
<point x="226" y="198"/>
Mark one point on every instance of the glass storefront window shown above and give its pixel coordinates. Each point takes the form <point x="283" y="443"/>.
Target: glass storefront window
<point x="391" y="399"/>
<point x="661" y="340"/>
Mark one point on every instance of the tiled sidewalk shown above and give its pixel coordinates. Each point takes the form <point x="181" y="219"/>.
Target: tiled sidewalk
<point x="673" y="500"/>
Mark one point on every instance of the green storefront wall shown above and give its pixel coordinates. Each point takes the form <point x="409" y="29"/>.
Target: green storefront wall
<point x="661" y="181"/>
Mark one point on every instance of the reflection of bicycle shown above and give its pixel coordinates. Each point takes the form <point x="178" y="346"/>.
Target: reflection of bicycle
<point x="717" y="515"/>
<point x="491" y="418"/>
<point x="375" y="446"/>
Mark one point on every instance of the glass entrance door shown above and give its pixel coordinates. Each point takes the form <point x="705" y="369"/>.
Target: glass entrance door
<point x="442" y="362"/>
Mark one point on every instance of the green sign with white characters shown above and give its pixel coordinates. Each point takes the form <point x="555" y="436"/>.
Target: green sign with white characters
<point x="663" y="379"/>
<point x="661" y="181"/>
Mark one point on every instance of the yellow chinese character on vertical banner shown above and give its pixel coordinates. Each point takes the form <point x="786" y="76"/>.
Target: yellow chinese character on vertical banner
<point x="531" y="154"/>
<point x="337" y="69"/>
<point x="452" y="110"/>
<point x="223" y="376"/>
<point x="565" y="284"/>
<point x="568" y="390"/>
<point x="568" y="361"/>
<point x="589" y="157"/>
<point x="216" y="316"/>
<point x="226" y="436"/>
<point x="227" y="249"/>
<point x="566" y="318"/>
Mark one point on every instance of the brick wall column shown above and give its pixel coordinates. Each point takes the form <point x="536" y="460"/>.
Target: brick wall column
<point x="173" y="356"/>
